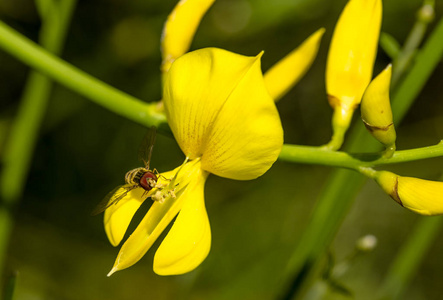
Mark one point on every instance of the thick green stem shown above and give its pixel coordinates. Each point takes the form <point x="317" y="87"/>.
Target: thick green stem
<point x="101" y="93"/>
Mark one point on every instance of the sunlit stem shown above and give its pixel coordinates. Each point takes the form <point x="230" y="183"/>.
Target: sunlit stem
<point x="355" y="161"/>
<point x="368" y="172"/>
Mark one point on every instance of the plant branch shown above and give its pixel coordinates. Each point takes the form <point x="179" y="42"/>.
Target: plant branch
<point x="320" y="156"/>
<point x="66" y="74"/>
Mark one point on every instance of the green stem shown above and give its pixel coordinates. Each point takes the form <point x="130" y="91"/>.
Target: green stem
<point x="411" y="255"/>
<point x="340" y="190"/>
<point x="320" y="156"/>
<point x="101" y="93"/>
<point x="20" y="146"/>
<point x="415" y="37"/>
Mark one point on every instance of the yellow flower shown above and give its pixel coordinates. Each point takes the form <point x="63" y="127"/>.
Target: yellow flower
<point x="376" y="111"/>
<point x="350" y="61"/>
<point x="226" y="123"/>
<point x="424" y="197"/>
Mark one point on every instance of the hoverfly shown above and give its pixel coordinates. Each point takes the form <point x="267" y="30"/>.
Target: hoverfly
<point x="139" y="177"/>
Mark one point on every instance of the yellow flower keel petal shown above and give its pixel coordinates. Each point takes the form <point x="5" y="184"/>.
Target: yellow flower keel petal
<point x="189" y="240"/>
<point x="118" y="216"/>
<point x="157" y="218"/>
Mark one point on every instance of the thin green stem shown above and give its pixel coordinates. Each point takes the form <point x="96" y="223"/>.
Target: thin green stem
<point x="411" y="255"/>
<point x="404" y="59"/>
<point x="320" y="156"/>
<point x="24" y="132"/>
<point x="101" y="93"/>
<point x="389" y="45"/>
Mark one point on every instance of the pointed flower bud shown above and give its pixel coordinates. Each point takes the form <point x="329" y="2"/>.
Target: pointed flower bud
<point x="350" y="61"/>
<point x="376" y="110"/>
<point x="180" y="28"/>
<point x="289" y="70"/>
<point x="424" y="197"/>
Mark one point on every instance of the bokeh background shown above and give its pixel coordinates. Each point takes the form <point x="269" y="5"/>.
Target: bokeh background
<point x="83" y="151"/>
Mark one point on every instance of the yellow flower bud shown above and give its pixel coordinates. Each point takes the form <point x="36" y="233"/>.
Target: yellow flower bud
<point x="350" y="61"/>
<point x="424" y="197"/>
<point x="289" y="70"/>
<point x="180" y="28"/>
<point x="376" y="110"/>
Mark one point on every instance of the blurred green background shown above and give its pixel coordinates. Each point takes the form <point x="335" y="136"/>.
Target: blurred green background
<point x="83" y="151"/>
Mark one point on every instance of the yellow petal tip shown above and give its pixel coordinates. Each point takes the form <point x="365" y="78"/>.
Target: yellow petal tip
<point x="319" y="33"/>
<point x="114" y="269"/>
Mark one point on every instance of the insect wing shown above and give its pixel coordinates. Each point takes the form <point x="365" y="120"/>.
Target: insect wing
<point x="113" y="197"/>
<point x="146" y="147"/>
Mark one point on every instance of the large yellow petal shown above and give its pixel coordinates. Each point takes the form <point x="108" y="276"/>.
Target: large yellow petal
<point x="157" y="218"/>
<point x="189" y="240"/>
<point x="247" y="135"/>
<point x="352" y="52"/>
<point x="288" y="71"/>
<point x="118" y="216"/>
<point x="180" y="28"/>
<point x="197" y="86"/>
<point x="219" y="109"/>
